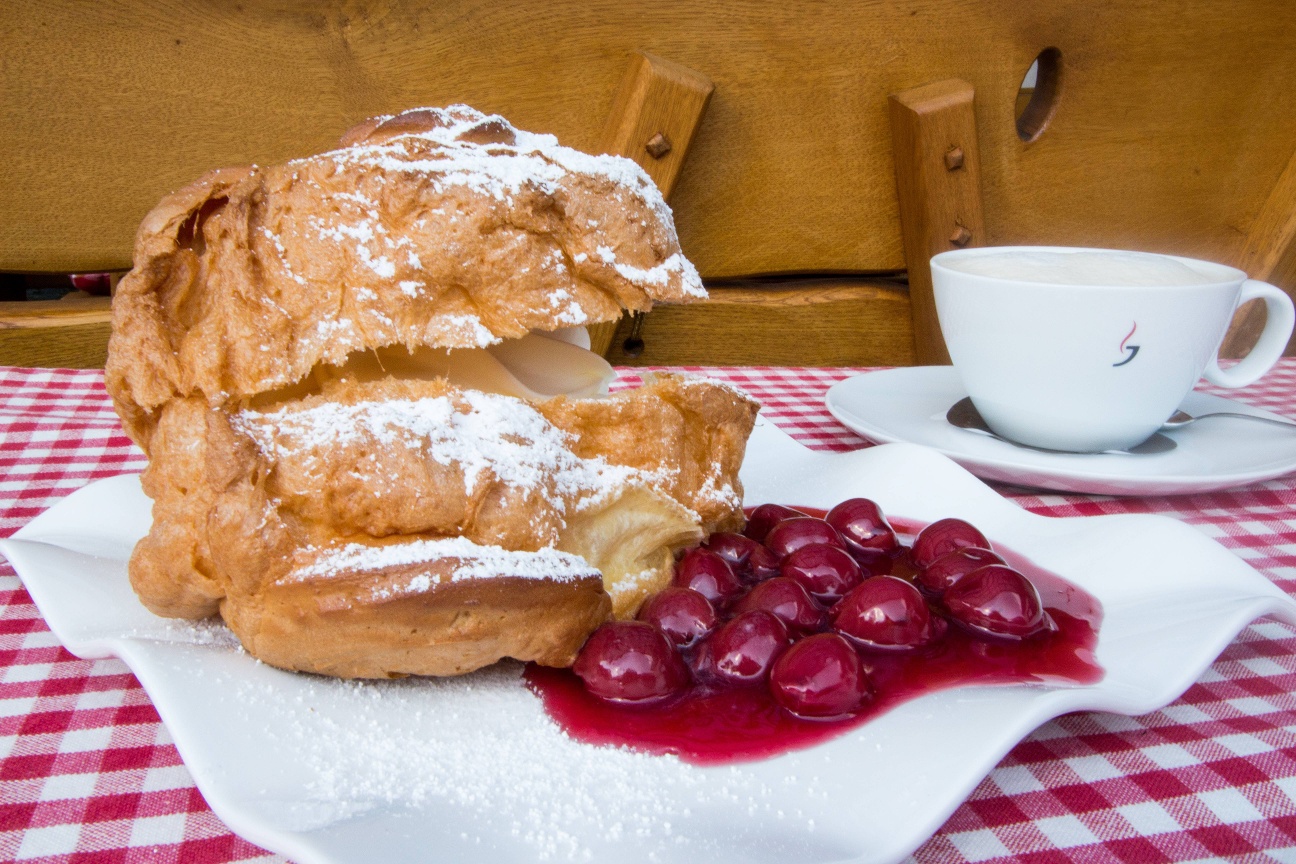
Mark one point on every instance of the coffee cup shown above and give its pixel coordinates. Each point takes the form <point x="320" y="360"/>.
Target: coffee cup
<point x="1086" y="350"/>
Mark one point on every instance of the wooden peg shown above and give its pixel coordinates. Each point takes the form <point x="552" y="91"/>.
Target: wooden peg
<point x="655" y="115"/>
<point x="1269" y="254"/>
<point x="938" y="177"/>
<point x="658" y="146"/>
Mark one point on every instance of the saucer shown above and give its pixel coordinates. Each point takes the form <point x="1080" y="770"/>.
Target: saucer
<point x="909" y="404"/>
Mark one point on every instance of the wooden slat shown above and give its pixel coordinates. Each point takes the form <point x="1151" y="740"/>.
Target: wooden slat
<point x="1270" y="256"/>
<point x="815" y="323"/>
<point x="71" y="334"/>
<point x="653" y="119"/>
<point x="938" y="174"/>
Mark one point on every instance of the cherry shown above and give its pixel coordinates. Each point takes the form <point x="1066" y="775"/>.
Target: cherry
<point x="763" y="564"/>
<point x="751" y="561"/>
<point x="826" y="572"/>
<point x="942" y="537"/>
<point x="765" y="517"/>
<point x="862" y="524"/>
<point x="98" y="284"/>
<point x="630" y="661"/>
<point x="787" y="600"/>
<point x="742" y="650"/>
<point x="953" y="566"/>
<point x="734" y="548"/>
<point x="684" y="615"/>
<point x="996" y="600"/>
<point x="791" y="534"/>
<point x="708" y="574"/>
<point x="821" y="677"/>
<point x="888" y="613"/>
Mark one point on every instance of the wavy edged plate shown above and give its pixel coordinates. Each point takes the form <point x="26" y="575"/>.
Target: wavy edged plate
<point x="470" y="770"/>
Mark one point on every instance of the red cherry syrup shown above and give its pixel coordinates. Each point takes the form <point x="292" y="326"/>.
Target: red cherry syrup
<point x="711" y="723"/>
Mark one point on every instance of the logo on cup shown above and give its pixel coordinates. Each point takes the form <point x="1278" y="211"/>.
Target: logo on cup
<point x="1124" y="347"/>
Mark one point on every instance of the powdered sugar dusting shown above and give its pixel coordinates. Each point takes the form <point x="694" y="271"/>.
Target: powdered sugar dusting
<point x="566" y="309"/>
<point x="481" y="763"/>
<point x="502" y="171"/>
<point x="713" y="489"/>
<point x="207" y="631"/>
<point x="658" y="275"/>
<point x="470" y="561"/>
<point x="464" y="331"/>
<point x="631" y="583"/>
<point x="485" y="434"/>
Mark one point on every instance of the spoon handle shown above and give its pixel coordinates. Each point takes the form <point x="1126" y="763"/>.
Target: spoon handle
<point x="1180" y="419"/>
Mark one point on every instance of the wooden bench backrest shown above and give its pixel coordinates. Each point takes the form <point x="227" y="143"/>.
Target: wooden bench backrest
<point x="1173" y="124"/>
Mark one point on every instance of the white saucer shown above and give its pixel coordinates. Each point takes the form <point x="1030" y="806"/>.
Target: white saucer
<point x="909" y="404"/>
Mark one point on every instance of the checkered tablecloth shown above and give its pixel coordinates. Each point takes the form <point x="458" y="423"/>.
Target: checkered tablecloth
<point x="89" y="774"/>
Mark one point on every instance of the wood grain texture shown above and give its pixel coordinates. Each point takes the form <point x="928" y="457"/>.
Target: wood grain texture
<point x="798" y="323"/>
<point x="656" y="113"/>
<point x="1175" y="121"/>
<point x="1269" y="255"/>
<point x="938" y="176"/>
<point x="71" y="334"/>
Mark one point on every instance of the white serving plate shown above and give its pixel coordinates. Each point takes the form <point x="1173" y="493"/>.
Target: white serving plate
<point x="909" y="404"/>
<point x="470" y="770"/>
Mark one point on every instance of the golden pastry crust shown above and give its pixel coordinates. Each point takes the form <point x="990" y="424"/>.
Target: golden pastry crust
<point x="353" y="518"/>
<point x="441" y="228"/>
<point x="690" y="432"/>
<point x="357" y="623"/>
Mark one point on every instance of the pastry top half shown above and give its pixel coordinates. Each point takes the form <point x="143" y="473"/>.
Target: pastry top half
<point x="435" y="228"/>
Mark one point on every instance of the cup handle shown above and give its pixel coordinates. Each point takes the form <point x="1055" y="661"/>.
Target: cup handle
<point x="1273" y="340"/>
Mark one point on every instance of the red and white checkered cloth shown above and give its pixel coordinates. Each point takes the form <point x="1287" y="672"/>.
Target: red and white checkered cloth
<point x="89" y="774"/>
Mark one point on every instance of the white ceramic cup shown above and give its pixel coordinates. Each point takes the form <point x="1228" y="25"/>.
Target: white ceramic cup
<point x="1053" y="360"/>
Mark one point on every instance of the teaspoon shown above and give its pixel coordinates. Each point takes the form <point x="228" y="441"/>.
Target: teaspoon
<point x="1180" y="419"/>
<point x="964" y="415"/>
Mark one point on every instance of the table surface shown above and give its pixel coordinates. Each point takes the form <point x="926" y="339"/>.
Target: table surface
<point x="89" y="774"/>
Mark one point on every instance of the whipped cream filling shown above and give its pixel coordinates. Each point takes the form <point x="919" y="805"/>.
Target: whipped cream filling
<point x="535" y="367"/>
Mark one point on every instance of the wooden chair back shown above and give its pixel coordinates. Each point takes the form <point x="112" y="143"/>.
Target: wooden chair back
<point x="1170" y="128"/>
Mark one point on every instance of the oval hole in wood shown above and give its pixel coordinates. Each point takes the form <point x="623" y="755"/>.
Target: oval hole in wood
<point x="1037" y="98"/>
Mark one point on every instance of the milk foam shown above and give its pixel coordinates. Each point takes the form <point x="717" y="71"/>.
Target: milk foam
<point x="1080" y="268"/>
